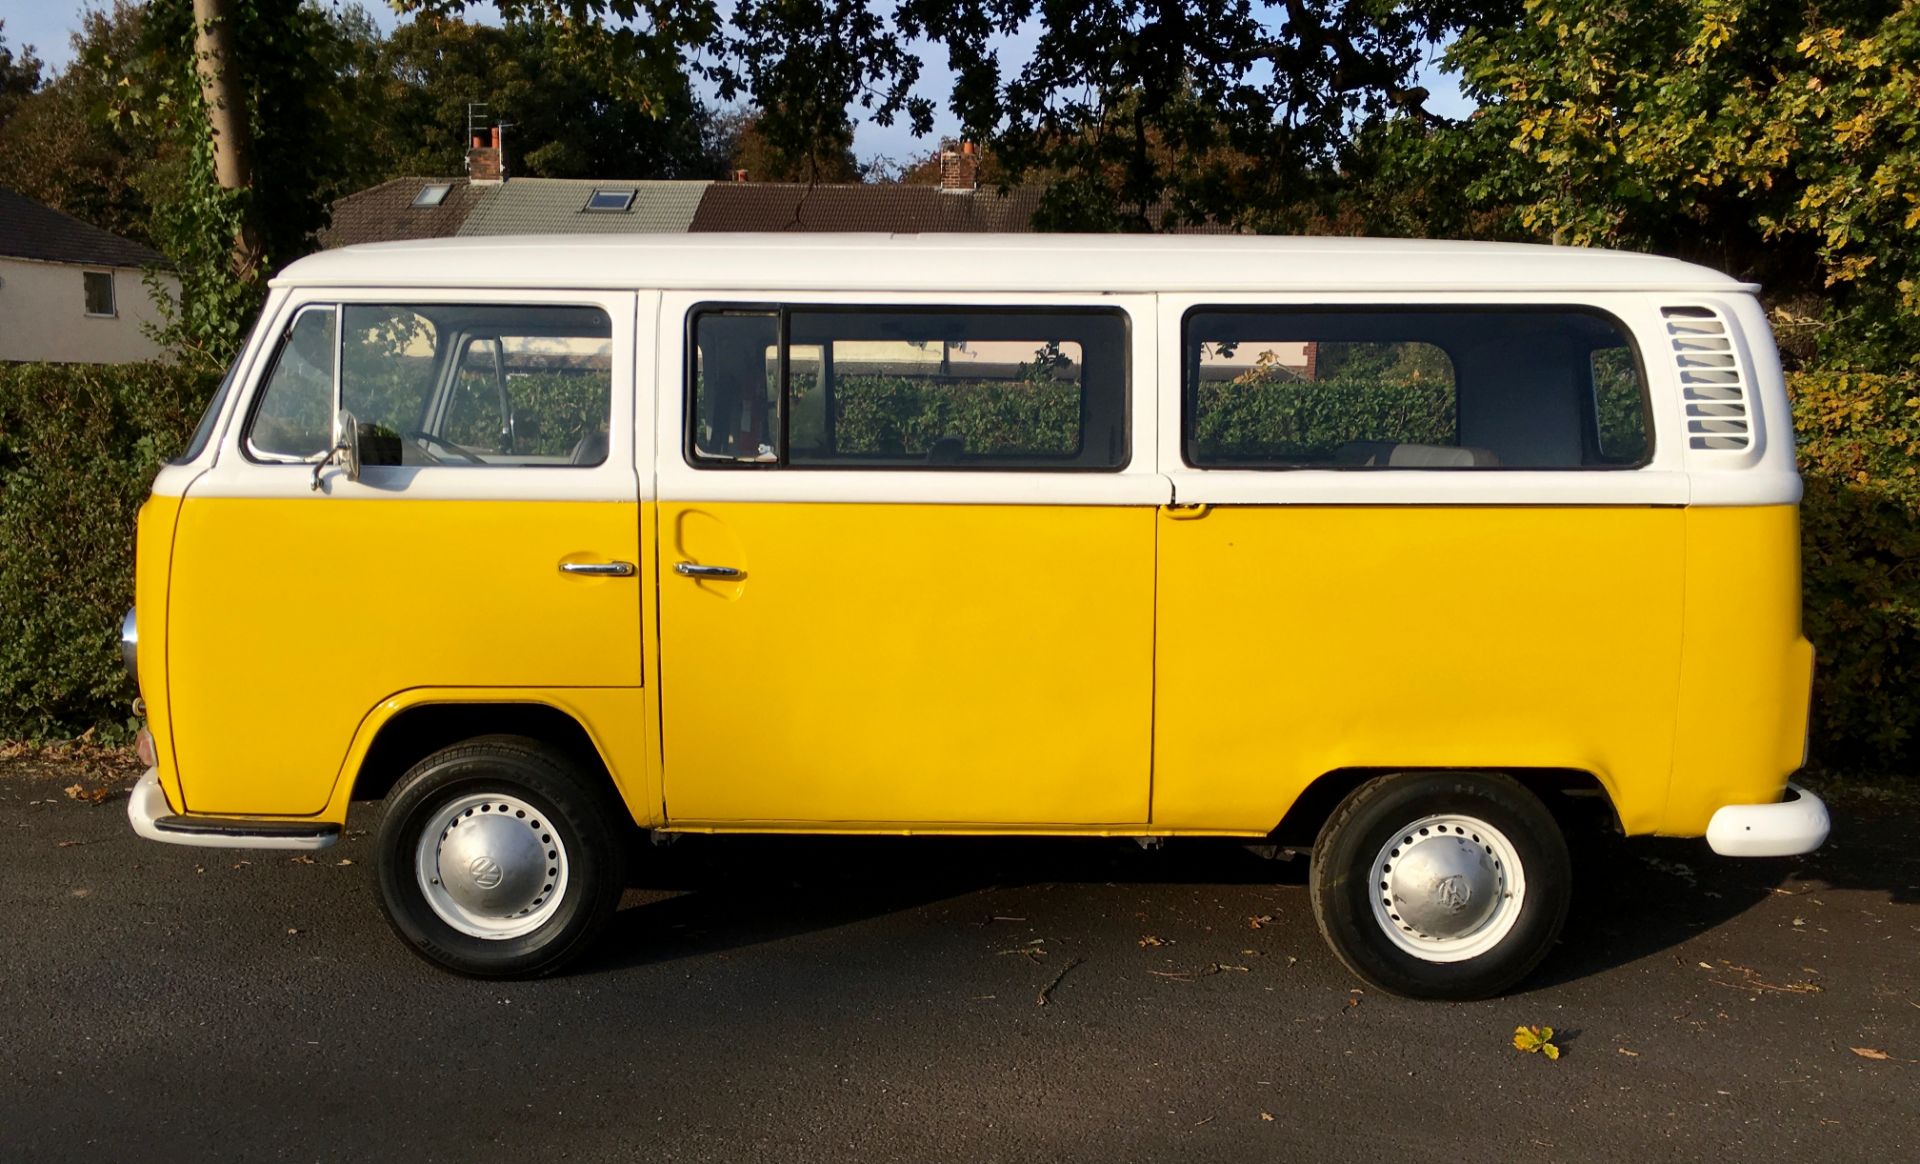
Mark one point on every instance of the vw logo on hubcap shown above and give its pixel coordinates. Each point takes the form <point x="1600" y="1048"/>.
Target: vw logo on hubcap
<point x="486" y="872"/>
<point x="1452" y="893"/>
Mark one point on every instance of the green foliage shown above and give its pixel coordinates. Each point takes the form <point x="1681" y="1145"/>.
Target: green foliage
<point x="907" y="416"/>
<point x="1395" y="392"/>
<point x="1859" y="445"/>
<point x="79" y="446"/>
<point x="57" y="148"/>
<point x="1780" y="142"/>
<point x="568" y="93"/>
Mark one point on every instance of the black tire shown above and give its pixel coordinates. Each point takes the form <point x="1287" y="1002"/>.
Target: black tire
<point x="579" y="809"/>
<point x="1344" y="890"/>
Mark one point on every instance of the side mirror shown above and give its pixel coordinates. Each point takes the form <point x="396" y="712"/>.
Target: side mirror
<point x="345" y="451"/>
<point x="346" y="443"/>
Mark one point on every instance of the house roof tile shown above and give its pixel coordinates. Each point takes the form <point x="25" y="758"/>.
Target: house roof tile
<point x="29" y="230"/>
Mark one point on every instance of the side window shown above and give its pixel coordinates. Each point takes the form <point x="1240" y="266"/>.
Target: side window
<point x="903" y="388"/>
<point x="1411" y="388"/>
<point x="736" y="387"/>
<point x="1620" y="431"/>
<point x="459" y="385"/>
<point x="293" y="419"/>
<point x="389" y="359"/>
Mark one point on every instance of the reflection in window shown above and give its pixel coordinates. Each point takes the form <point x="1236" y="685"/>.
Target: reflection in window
<point x="294" y="416"/>
<point x="1411" y="388"/>
<point x="907" y="388"/>
<point x="478" y="385"/>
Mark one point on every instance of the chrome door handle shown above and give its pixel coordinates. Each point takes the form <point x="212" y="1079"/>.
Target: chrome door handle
<point x="695" y="570"/>
<point x="599" y="569"/>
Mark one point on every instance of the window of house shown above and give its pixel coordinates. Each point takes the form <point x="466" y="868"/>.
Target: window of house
<point x="899" y="388"/>
<point x="431" y="195"/>
<point x="99" y="292"/>
<point x="1411" y="388"/>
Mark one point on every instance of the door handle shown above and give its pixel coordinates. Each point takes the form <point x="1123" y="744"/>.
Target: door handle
<point x="695" y="570"/>
<point x="599" y="569"/>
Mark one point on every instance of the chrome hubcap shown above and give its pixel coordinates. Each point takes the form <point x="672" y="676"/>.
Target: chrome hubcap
<point x="1447" y="888"/>
<point x="492" y="866"/>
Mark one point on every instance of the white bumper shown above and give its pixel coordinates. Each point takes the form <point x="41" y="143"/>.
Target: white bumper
<point x="152" y="817"/>
<point x="1798" y="824"/>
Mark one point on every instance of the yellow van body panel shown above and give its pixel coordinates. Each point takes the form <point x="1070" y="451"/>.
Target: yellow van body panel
<point x="291" y="618"/>
<point x="153" y="557"/>
<point x="950" y="665"/>
<point x="1746" y="671"/>
<point x="616" y="719"/>
<point x="1294" y="641"/>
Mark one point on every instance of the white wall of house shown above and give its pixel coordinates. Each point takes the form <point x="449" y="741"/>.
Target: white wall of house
<point x="43" y="314"/>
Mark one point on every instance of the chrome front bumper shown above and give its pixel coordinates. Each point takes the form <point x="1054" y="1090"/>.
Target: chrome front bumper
<point x="1797" y="824"/>
<point x="153" y="818"/>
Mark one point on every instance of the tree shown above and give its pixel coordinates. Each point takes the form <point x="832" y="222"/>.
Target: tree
<point x="1137" y="113"/>
<point x="226" y="211"/>
<point x="565" y="122"/>
<point x="19" y="76"/>
<point x="57" y="150"/>
<point x="1780" y="142"/>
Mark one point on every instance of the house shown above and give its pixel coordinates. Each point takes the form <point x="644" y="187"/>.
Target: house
<point x="70" y="292"/>
<point x="488" y="202"/>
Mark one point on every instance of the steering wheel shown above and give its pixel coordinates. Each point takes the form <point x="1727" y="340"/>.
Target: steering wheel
<point x="426" y="438"/>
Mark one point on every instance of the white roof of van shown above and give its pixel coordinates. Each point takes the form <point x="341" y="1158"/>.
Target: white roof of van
<point x="977" y="262"/>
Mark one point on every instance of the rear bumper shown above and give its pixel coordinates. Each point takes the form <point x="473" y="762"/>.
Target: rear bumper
<point x="1797" y="824"/>
<point x="153" y="818"/>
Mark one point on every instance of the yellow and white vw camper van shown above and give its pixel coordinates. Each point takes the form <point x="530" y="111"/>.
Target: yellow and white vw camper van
<point x="1384" y="550"/>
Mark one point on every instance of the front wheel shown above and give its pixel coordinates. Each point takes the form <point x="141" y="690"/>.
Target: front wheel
<point x="498" y="858"/>
<point x="1441" y="885"/>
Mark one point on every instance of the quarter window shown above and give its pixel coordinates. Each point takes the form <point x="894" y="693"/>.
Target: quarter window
<point x="292" y="419"/>
<point x="907" y="388"/>
<point x="1411" y="389"/>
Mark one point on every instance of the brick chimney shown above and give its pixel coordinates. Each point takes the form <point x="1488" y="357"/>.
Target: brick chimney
<point x="959" y="169"/>
<point x="486" y="162"/>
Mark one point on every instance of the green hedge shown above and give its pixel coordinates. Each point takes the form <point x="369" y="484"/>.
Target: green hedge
<point x="1860" y="457"/>
<point x="79" y="445"/>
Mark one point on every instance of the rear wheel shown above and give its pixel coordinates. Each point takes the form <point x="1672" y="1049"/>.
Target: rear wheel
<point x="498" y="858"/>
<point x="1441" y="885"/>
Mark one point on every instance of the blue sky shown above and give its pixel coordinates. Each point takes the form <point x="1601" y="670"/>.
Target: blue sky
<point x="48" y="25"/>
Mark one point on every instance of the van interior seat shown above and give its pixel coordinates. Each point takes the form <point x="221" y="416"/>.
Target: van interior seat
<point x="1398" y="455"/>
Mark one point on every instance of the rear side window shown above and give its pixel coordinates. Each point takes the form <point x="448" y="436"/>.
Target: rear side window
<point x="1411" y="388"/>
<point x="907" y="388"/>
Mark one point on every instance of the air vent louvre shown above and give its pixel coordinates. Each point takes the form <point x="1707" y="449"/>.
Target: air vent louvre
<point x="1712" y="384"/>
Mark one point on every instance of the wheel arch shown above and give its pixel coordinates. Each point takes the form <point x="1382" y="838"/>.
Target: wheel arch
<point x="1577" y="798"/>
<point x="407" y="728"/>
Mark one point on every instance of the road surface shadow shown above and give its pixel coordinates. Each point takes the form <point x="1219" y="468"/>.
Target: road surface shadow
<point x="1632" y="898"/>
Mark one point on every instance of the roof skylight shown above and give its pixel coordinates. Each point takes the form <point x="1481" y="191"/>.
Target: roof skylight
<point x="431" y="195"/>
<point x="609" y="201"/>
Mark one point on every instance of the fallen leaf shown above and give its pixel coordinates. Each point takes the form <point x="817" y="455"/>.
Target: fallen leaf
<point x="292" y="930"/>
<point x="1267" y="1116"/>
<point x="1535" y="1041"/>
<point x="1630" y="1054"/>
<point x="90" y="795"/>
<point x="1149" y="940"/>
<point x="302" y="859"/>
<point x="344" y="861"/>
<point x="1871" y="1053"/>
<point x="1254" y="923"/>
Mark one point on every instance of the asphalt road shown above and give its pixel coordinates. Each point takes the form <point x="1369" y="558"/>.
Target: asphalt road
<point x="935" y="1000"/>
